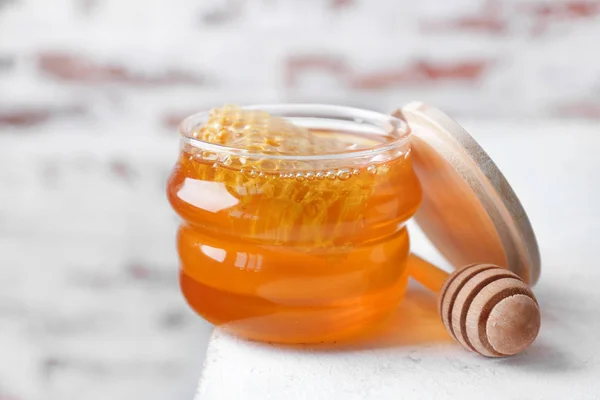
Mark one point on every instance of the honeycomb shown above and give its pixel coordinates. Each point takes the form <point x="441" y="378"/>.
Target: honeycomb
<point x="282" y="200"/>
<point x="257" y="131"/>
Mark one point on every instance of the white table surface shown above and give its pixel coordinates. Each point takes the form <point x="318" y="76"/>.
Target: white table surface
<point x="555" y="170"/>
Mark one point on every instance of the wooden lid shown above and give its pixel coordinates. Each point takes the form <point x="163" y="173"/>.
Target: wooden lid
<point x="469" y="211"/>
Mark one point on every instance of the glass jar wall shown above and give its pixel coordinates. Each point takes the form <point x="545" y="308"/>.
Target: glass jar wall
<point x="294" y="237"/>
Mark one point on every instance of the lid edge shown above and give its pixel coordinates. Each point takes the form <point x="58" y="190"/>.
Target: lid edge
<point x="521" y="226"/>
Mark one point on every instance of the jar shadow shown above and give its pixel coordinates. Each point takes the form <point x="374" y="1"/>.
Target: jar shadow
<point x="415" y="322"/>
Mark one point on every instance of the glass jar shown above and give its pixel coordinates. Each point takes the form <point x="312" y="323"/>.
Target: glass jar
<point x="296" y="248"/>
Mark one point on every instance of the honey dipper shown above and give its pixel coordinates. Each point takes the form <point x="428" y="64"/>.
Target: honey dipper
<point x="486" y="308"/>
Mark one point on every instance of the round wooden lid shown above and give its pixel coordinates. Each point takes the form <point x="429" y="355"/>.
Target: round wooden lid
<point x="469" y="211"/>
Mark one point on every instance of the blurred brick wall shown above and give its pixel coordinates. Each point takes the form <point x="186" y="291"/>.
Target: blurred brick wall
<point x="89" y="305"/>
<point x="159" y="59"/>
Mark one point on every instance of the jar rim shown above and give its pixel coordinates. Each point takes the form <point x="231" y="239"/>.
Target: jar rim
<point x="397" y="127"/>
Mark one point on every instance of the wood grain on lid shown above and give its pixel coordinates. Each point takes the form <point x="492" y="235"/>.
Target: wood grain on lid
<point x="469" y="211"/>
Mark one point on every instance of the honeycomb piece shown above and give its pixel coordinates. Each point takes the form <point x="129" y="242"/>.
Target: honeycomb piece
<point x="259" y="132"/>
<point x="309" y="201"/>
<point x="255" y="130"/>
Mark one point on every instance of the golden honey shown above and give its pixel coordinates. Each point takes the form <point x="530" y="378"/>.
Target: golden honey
<point x="293" y="219"/>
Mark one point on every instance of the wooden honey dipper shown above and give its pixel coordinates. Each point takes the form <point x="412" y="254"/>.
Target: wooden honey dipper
<point x="486" y="308"/>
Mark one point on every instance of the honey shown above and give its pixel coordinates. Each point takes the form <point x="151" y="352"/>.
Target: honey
<point x="293" y="227"/>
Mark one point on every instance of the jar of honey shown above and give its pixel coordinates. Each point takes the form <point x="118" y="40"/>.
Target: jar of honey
<point x="293" y="219"/>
